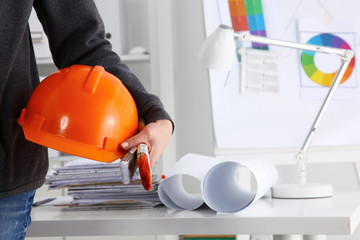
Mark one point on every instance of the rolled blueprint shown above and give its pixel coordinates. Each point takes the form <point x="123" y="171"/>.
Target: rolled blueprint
<point x="223" y="188"/>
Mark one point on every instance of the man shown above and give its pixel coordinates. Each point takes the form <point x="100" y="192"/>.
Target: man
<point x="76" y="36"/>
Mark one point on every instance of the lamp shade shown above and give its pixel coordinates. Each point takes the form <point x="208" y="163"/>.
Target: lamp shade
<point x="81" y="110"/>
<point x="218" y="50"/>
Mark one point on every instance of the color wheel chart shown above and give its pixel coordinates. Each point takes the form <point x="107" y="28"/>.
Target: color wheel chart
<point x="308" y="59"/>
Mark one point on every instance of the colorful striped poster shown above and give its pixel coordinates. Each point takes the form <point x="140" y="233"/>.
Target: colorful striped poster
<point x="247" y="15"/>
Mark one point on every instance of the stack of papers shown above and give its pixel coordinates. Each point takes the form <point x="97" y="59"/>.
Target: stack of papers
<point x="95" y="185"/>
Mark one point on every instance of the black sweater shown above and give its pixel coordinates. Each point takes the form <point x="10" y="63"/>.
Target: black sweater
<point x="76" y="36"/>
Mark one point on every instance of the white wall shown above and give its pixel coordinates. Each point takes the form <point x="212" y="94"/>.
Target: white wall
<point x="192" y="91"/>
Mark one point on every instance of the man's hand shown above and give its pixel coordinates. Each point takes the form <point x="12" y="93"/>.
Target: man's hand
<point x="156" y="135"/>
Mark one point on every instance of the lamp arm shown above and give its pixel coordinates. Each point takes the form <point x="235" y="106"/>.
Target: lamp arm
<point x="339" y="75"/>
<point x="345" y="54"/>
<point x="300" y="156"/>
<point x="245" y="37"/>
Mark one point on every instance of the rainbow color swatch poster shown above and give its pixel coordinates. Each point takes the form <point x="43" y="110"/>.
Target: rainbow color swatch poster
<point x="247" y="15"/>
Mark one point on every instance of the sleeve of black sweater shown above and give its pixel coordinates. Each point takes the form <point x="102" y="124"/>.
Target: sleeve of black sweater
<point x="76" y="36"/>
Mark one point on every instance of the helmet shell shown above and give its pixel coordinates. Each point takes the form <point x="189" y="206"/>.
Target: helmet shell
<point x="81" y="110"/>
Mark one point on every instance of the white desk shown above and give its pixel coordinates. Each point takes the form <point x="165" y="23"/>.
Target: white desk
<point x="339" y="215"/>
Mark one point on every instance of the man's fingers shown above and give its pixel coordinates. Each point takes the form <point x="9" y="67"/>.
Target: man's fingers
<point x="153" y="158"/>
<point x="155" y="135"/>
<point x="133" y="141"/>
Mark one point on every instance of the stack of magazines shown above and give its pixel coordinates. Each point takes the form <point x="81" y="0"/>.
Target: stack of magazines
<point x="95" y="185"/>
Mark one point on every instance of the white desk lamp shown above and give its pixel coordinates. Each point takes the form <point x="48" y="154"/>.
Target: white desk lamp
<point x="218" y="53"/>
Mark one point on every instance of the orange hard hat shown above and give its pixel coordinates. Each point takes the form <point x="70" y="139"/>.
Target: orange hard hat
<point x="81" y="110"/>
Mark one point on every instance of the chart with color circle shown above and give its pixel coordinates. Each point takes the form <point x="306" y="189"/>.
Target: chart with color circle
<point x="308" y="62"/>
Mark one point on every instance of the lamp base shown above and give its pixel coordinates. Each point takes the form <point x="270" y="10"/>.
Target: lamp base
<point x="306" y="190"/>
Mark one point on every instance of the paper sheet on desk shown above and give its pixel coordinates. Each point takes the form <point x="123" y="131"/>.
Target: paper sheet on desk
<point x="220" y="185"/>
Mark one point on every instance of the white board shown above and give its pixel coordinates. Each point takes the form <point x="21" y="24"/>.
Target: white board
<point x="281" y="121"/>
